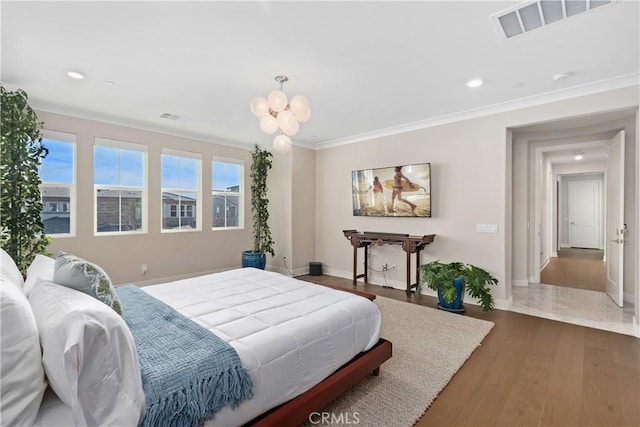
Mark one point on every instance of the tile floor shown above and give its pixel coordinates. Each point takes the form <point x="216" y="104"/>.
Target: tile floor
<point x="577" y="306"/>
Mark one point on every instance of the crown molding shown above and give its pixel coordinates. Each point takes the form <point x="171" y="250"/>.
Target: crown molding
<point x="53" y="108"/>
<point x="559" y="95"/>
<point x="531" y="101"/>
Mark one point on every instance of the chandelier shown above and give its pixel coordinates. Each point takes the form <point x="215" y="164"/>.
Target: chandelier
<point x="277" y="113"/>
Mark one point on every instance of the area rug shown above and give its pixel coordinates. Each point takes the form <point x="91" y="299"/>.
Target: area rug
<point x="429" y="346"/>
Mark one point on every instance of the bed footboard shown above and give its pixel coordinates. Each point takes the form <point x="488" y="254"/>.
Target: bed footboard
<point x="297" y="410"/>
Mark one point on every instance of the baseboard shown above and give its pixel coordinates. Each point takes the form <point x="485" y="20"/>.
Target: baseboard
<point x="554" y="255"/>
<point x="180" y="277"/>
<point x="544" y="264"/>
<point x="338" y="273"/>
<point x="628" y="297"/>
<point x="503" y="304"/>
<point x="281" y="270"/>
<point x="523" y="283"/>
<point x="533" y="280"/>
<point x="564" y="245"/>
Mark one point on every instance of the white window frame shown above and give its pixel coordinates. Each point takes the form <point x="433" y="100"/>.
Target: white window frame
<point x="198" y="211"/>
<point x="130" y="146"/>
<point x="240" y="194"/>
<point x="69" y="138"/>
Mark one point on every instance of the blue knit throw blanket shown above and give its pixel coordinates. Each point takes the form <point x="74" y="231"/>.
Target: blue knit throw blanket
<point x="188" y="373"/>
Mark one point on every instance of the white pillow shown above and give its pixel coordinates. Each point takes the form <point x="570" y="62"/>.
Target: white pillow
<point x="41" y="267"/>
<point x="9" y="270"/>
<point x="89" y="356"/>
<point x="22" y="381"/>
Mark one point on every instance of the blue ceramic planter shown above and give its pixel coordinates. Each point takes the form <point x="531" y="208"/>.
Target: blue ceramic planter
<point x="456" y="305"/>
<point x="254" y="259"/>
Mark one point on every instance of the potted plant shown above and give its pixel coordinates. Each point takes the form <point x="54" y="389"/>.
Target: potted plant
<point x="262" y="241"/>
<point x="21" y="229"/>
<point x="450" y="280"/>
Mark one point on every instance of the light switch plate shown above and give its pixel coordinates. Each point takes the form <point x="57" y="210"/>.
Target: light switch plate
<point x="487" y="228"/>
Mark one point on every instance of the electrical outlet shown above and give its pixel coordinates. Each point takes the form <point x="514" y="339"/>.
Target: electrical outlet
<point x="393" y="267"/>
<point x="144" y="269"/>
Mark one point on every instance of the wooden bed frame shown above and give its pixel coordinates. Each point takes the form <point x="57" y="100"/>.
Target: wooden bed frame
<point x="296" y="411"/>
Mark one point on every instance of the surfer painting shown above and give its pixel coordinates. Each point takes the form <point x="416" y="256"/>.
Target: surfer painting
<point x="398" y="191"/>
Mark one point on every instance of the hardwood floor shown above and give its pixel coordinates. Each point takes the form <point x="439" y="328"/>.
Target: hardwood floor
<point x="576" y="268"/>
<point x="531" y="371"/>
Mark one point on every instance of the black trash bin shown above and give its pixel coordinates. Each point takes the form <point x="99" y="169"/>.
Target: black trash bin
<point x="315" y="269"/>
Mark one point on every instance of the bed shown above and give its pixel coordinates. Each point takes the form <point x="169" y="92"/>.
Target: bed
<point x="302" y="344"/>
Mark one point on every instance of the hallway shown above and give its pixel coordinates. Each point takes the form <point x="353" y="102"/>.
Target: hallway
<point x="576" y="268"/>
<point x="572" y="291"/>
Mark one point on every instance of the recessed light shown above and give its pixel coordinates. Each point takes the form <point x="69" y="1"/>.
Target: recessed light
<point x="473" y="83"/>
<point x="109" y="82"/>
<point x="75" y="75"/>
<point x="578" y="157"/>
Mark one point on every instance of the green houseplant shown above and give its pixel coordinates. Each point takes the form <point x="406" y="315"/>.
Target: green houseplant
<point x="262" y="241"/>
<point x="450" y="281"/>
<point x="21" y="150"/>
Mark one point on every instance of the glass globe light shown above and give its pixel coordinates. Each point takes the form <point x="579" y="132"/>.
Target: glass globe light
<point x="268" y="124"/>
<point x="286" y="119"/>
<point x="277" y="100"/>
<point x="303" y="117"/>
<point x="259" y="106"/>
<point x="299" y="105"/>
<point x="291" y="130"/>
<point x="281" y="143"/>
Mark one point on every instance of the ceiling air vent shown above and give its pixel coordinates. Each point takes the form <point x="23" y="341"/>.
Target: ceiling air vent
<point x="531" y="15"/>
<point x="169" y="116"/>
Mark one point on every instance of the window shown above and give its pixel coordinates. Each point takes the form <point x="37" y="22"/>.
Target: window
<point x="227" y="193"/>
<point x="57" y="173"/>
<point x="119" y="173"/>
<point x="180" y="190"/>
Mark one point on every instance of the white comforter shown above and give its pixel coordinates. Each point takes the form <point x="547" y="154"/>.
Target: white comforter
<point x="289" y="334"/>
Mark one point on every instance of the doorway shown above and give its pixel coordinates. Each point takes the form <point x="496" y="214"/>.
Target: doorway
<point x="559" y="274"/>
<point x="578" y="259"/>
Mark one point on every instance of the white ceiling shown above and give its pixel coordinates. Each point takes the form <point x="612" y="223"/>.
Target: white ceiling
<point x="367" y="68"/>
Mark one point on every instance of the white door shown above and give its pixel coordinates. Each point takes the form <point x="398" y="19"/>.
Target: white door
<point x="615" y="219"/>
<point x="584" y="214"/>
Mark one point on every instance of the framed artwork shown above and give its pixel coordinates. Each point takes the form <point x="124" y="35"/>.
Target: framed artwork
<point x="397" y="191"/>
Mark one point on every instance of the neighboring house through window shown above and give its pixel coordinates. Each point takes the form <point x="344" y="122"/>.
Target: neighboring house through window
<point x="120" y="186"/>
<point x="58" y="187"/>
<point x="227" y="193"/>
<point x="180" y="190"/>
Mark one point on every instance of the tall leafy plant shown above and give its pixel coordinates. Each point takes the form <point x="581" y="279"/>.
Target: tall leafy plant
<point x="260" y="166"/>
<point x="21" y="150"/>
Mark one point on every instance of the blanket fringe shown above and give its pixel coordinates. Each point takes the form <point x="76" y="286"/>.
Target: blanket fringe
<point x="231" y="388"/>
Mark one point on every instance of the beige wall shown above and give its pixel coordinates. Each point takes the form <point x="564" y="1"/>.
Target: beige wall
<point x="304" y="209"/>
<point x="469" y="165"/>
<point x="467" y="187"/>
<point x="280" y="210"/>
<point x="167" y="255"/>
<point x="292" y="210"/>
<point x="470" y="160"/>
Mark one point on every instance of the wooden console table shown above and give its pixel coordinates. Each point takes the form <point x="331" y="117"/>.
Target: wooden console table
<point x="410" y="244"/>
